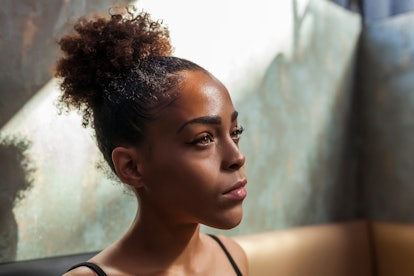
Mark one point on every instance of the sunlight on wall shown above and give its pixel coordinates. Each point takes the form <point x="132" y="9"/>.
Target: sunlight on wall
<point x="235" y="40"/>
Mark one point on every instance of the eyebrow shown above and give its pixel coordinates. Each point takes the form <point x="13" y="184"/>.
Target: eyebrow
<point x="207" y="120"/>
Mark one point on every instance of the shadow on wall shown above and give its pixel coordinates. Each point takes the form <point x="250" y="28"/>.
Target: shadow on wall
<point x="29" y="27"/>
<point x="386" y="99"/>
<point x="28" y="34"/>
<point x="16" y="177"/>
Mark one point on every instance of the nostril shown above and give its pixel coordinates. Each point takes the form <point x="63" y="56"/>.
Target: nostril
<point x="237" y="163"/>
<point x="235" y="166"/>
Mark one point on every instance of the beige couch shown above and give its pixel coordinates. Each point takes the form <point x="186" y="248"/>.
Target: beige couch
<point x="347" y="248"/>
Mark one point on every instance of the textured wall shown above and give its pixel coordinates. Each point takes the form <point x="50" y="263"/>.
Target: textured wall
<point x="288" y="66"/>
<point x="34" y="190"/>
<point x="301" y="166"/>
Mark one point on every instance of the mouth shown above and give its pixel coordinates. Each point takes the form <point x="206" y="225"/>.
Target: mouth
<point x="238" y="190"/>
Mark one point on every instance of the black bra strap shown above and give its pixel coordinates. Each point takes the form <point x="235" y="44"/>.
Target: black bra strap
<point x="233" y="263"/>
<point x="100" y="272"/>
<point x="92" y="266"/>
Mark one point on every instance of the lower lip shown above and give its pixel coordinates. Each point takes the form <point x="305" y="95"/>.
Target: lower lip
<point x="237" y="194"/>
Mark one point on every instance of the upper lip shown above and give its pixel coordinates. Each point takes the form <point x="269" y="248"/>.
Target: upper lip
<point x="237" y="185"/>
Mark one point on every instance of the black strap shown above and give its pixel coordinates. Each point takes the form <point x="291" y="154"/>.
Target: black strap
<point x="233" y="263"/>
<point x="100" y="272"/>
<point x="92" y="266"/>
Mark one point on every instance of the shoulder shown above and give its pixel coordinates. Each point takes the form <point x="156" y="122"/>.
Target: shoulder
<point x="237" y="252"/>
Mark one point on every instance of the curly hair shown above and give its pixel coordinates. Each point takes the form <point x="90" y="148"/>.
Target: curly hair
<point x="118" y="71"/>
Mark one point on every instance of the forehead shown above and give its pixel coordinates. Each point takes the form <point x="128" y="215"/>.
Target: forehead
<point x="199" y="94"/>
<point x="202" y="90"/>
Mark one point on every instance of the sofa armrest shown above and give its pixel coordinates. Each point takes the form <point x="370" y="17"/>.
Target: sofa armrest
<point x="393" y="247"/>
<point x="332" y="249"/>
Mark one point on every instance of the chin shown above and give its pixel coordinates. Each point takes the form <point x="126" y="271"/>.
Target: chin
<point x="229" y="226"/>
<point x="228" y="221"/>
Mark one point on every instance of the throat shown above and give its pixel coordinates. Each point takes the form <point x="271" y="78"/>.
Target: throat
<point x="168" y="244"/>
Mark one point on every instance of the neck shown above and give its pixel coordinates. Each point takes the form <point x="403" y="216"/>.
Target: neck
<point x="154" y="237"/>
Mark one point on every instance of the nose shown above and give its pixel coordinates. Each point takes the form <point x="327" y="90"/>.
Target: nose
<point x="233" y="159"/>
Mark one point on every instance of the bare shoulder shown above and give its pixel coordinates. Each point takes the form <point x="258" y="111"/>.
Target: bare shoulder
<point x="80" y="271"/>
<point x="237" y="252"/>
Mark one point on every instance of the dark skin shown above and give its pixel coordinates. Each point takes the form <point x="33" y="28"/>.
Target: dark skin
<point x="189" y="172"/>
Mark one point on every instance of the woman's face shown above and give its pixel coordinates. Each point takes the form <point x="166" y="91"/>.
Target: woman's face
<point x="194" y="171"/>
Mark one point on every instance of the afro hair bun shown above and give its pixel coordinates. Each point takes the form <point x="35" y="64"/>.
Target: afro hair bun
<point x="101" y="48"/>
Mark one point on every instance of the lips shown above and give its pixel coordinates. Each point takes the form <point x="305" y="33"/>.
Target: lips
<point x="237" y="191"/>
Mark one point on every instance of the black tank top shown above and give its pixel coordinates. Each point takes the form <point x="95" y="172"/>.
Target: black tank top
<point x="100" y="272"/>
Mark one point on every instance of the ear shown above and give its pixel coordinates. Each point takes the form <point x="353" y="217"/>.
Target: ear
<point x="128" y="166"/>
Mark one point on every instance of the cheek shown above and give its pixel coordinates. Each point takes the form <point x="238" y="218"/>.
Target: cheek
<point x="178" y="171"/>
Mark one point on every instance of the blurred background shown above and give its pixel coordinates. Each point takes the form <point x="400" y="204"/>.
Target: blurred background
<point x="324" y="90"/>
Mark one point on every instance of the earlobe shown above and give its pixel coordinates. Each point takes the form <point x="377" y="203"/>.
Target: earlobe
<point x="127" y="166"/>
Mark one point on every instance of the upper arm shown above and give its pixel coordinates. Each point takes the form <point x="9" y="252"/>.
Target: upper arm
<point x="238" y="254"/>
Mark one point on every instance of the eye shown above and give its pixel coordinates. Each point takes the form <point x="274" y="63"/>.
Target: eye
<point x="235" y="135"/>
<point x="204" y="140"/>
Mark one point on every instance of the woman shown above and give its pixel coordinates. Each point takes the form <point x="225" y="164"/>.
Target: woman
<point x="169" y="131"/>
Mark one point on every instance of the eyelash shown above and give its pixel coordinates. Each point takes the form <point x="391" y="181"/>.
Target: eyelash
<point x="205" y="140"/>
<point x="208" y="138"/>
<point x="235" y="135"/>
